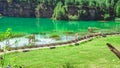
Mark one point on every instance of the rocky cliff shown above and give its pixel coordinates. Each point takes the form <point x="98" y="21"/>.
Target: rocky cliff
<point x="32" y="8"/>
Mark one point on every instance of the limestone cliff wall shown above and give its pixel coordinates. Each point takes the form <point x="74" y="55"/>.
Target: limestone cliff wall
<point x="18" y="8"/>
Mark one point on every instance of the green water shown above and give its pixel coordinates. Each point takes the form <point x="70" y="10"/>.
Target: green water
<point x="44" y="25"/>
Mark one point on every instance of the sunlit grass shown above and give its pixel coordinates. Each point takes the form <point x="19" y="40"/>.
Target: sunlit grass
<point x="92" y="54"/>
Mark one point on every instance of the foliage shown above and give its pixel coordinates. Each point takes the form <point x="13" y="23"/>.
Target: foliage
<point x="0" y="15"/>
<point x="9" y="1"/>
<point x="74" y="17"/>
<point x="59" y="11"/>
<point x="37" y="9"/>
<point x="55" y="36"/>
<point x="118" y="9"/>
<point x="60" y="7"/>
<point x="117" y="19"/>
<point x="106" y="17"/>
<point x="9" y="34"/>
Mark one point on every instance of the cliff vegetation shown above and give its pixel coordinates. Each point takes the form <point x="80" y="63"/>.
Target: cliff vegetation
<point x="62" y="9"/>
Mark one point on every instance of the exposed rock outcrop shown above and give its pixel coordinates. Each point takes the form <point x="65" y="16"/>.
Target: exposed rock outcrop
<point x="33" y="8"/>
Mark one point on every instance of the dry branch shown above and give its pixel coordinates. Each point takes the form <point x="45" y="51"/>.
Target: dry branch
<point x="114" y="50"/>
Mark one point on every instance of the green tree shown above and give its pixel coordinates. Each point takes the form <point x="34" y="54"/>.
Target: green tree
<point x="59" y="11"/>
<point x="118" y="9"/>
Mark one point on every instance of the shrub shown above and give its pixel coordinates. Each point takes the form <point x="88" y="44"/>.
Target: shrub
<point x="118" y="9"/>
<point x="55" y="36"/>
<point x="59" y="12"/>
<point x="8" y="34"/>
<point x="73" y="17"/>
<point x="106" y="16"/>
<point x="0" y="15"/>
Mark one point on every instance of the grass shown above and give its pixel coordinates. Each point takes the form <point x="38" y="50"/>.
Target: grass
<point x="13" y="35"/>
<point x="92" y="54"/>
<point x="55" y="36"/>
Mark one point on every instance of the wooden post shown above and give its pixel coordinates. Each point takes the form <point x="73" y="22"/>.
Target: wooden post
<point x="31" y="39"/>
<point x="114" y="50"/>
<point x="76" y="36"/>
<point x="90" y="30"/>
<point x="76" y="39"/>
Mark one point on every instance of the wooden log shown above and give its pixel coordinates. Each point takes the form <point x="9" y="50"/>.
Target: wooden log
<point x="103" y="35"/>
<point x="52" y="47"/>
<point x="76" y="44"/>
<point x="114" y="50"/>
<point x="25" y="50"/>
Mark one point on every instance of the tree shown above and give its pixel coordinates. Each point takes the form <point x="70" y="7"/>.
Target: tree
<point x="59" y="11"/>
<point x="9" y="1"/>
<point x="118" y="9"/>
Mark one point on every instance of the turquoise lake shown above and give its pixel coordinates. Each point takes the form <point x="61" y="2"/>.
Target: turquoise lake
<point x="46" y="25"/>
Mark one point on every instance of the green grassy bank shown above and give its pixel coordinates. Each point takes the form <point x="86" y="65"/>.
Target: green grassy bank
<point x="91" y="54"/>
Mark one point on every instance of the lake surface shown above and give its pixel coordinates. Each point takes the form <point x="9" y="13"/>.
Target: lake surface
<point x="46" y="30"/>
<point x="44" y="25"/>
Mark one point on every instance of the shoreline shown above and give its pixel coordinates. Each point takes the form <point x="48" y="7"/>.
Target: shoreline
<point x="72" y="42"/>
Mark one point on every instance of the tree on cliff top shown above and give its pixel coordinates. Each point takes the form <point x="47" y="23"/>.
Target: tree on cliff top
<point x="118" y="9"/>
<point x="59" y="11"/>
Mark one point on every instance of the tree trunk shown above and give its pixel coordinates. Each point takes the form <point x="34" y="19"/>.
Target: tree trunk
<point x="114" y="50"/>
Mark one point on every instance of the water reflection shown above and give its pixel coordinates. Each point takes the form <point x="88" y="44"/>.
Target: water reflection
<point x="44" y="25"/>
<point x="52" y="31"/>
<point x="39" y="40"/>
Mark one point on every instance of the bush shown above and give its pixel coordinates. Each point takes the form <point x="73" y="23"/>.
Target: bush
<point x="106" y="16"/>
<point x="8" y="34"/>
<point x="73" y="17"/>
<point x="55" y="36"/>
<point x="69" y="33"/>
<point x="59" y="12"/>
<point x="118" y="9"/>
<point x="0" y="15"/>
<point x="117" y="19"/>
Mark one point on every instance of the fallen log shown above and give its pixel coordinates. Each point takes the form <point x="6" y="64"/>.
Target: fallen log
<point x="114" y="50"/>
<point x="52" y="47"/>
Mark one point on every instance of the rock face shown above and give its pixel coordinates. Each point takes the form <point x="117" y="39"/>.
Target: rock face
<point x="73" y="10"/>
<point x="45" y="11"/>
<point x="18" y="8"/>
<point x="33" y="8"/>
<point x="89" y="13"/>
<point x="3" y="5"/>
